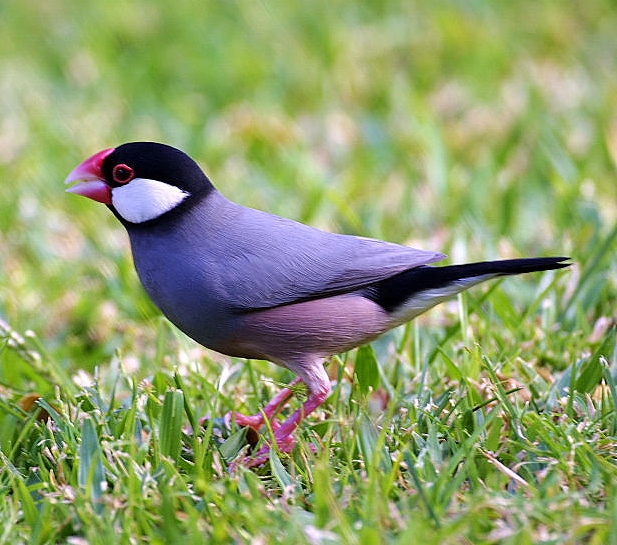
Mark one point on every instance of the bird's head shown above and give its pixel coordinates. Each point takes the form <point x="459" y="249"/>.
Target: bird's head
<point x="139" y="181"/>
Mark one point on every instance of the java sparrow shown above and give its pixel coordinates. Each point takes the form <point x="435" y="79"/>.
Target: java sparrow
<point x="250" y="284"/>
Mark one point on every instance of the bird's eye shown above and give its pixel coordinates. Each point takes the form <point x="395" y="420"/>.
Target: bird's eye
<point x="123" y="174"/>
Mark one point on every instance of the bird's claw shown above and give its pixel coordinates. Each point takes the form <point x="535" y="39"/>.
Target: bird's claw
<point x="254" y="423"/>
<point x="284" y="444"/>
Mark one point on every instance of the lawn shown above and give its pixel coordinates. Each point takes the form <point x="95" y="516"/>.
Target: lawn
<point x="481" y="129"/>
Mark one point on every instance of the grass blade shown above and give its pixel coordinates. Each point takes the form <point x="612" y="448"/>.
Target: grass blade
<point x="91" y="473"/>
<point x="170" y="426"/>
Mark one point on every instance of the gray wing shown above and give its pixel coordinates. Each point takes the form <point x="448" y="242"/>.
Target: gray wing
<point x="265" y="261"/>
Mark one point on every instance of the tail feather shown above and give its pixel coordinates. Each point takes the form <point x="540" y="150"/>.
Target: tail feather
<point x="423" y="287"/>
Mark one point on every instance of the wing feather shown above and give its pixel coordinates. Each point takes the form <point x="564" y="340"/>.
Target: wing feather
<point x="267" y="261"/>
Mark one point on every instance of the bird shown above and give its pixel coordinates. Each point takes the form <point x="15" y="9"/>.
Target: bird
<point x="250" y="284"/>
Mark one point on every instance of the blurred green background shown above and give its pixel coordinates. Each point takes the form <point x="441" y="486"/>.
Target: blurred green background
<point x="484" y="129"/>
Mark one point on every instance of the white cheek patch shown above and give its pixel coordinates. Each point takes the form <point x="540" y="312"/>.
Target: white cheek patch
<point x="143" y="199"/>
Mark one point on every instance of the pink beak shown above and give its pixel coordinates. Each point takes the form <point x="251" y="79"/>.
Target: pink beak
<point x="89" y="174"/>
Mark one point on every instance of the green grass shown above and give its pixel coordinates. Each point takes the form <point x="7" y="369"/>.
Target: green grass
<point x="483" y="129"/>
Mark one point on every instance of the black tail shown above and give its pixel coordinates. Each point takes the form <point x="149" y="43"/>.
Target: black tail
<point x="443" y="282"/>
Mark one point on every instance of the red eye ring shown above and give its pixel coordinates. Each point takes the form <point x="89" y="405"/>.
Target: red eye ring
<point x="122" y="174"/>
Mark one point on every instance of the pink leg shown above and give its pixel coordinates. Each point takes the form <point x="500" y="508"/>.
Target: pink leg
<point x="313" y="374"/>
<point x="282" y="434"/>
<point x="256" y="421"/>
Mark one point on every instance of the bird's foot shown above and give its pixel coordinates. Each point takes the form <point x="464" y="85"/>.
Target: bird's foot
<point x="279" y="433"/>
<point x="283" y="432"/>
<point x="284" y="445"/>
<point x="255" y="421"/>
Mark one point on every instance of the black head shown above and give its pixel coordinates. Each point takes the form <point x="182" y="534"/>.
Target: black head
<point x="141" y="181"/>
<point x="155" y="161"/>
